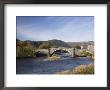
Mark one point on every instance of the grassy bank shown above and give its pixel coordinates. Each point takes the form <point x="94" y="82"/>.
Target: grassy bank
<point x="54" y="57"/>
<point x="81" y="69"/>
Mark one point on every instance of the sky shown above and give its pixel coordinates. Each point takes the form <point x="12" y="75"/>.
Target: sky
<point x="65" y="28"/>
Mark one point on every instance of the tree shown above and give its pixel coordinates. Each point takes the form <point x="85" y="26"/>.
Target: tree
<point x="45" y="45"/>
<point x="24" y="49"/>
<point x="78" y="47"/>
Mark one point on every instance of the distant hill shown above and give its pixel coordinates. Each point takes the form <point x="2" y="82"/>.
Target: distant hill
<point x="72" y="44"/>
<point x="58" y="43"/>
<point x="52" y="43"/>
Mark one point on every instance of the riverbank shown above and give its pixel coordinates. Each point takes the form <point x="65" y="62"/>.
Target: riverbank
<point x="81" y="69"/>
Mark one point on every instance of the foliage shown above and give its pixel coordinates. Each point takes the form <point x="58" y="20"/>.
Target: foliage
<point x="45" y="45"/>
<point x="78" y="47"/>
<point x="84" y="69"/>
<point x="85" y="53"/>
<point x="54" y="57"/>
<point x="58" y="43"/>
<point x="24" y="49"/>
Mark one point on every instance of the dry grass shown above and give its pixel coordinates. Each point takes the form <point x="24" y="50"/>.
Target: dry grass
<point x="82" y="69"/>
<point x="53" y="58"/>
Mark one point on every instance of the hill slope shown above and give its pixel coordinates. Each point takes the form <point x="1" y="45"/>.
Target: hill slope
<point x="52" y="43"/>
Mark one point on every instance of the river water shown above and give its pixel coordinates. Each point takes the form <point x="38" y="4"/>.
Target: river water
<point x="41" y="66"/>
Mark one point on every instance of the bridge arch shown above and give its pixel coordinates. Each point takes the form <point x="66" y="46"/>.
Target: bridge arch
<point x="71" y="51"/>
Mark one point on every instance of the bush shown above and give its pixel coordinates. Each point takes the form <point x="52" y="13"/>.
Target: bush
<point x="45" y="45"/>
<point x="78" y="47"/>
<point x="24" y="51"/>
<point x="84" y="69"/>
<point x="54" y="57"/>
<point x="85" y="53"/>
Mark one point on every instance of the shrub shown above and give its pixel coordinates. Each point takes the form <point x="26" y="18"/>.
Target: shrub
<point x="24" y="51"/>
<point x="85" y="53"/>
<point x="84" y="69"/>
<point x="78" y="47"/>
<point x="45" y="45"/>
<point x="53" y="57"/>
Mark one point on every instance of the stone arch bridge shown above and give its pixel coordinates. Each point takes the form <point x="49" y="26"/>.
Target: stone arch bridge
<point x="71" y="51"/>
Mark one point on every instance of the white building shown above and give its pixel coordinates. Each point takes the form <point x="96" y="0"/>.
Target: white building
<point x="90" y="48"/>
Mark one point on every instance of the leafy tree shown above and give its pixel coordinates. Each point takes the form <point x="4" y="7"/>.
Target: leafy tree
<point x="45" y="45"/>
<point x="78" y="47"/>
<point x="24" y="49"/>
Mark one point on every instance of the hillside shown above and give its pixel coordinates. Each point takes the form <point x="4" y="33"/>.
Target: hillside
<point x="72" y="44"/>
<point x="58" y="43"/>
<point x="54" y="43"/>
<point x="51" y="43"/>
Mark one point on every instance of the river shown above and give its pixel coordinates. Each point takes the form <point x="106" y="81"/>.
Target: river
<point x="41" y="66"/>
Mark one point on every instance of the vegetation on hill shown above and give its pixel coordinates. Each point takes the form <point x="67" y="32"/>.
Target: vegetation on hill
<point x="58" y="43"/>
<point x="75" y="44"/>
<point x="45" y="45"/>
